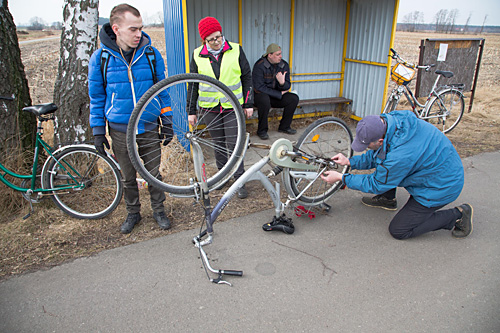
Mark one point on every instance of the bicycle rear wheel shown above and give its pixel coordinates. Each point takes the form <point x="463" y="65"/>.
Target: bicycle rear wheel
<point x="216" y="132"/>
<point x="87" y="185"/>
<point x="445" y="110"/>
<point x="325" y="138"/>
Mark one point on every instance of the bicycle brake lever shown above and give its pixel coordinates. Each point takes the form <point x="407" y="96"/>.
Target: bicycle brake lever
<point x="220" y="281"/>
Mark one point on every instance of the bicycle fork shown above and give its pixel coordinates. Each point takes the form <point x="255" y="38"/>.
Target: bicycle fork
<point x="200" y="172"/>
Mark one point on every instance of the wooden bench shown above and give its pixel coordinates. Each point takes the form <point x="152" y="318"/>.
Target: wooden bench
<point x="328" y="100"/>
<point x="342" y="104"/>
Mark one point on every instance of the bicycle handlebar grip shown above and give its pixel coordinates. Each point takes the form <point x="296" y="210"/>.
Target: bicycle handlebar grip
<point x="393" y="51"/>
<point x="230" y="272"/>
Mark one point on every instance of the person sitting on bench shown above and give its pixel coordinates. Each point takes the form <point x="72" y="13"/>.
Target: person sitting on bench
<point x="271" y="81"/>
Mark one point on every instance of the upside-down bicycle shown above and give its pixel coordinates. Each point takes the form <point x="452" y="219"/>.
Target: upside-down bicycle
<point x="444" y="106"/>
<point x="81" y="182"/>
<point x="188" y="167"/>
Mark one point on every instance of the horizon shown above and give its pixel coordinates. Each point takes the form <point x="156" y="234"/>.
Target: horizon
<point x="480" y="12"/>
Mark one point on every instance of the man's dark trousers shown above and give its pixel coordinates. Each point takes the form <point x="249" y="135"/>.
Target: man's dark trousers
<point x="151" y="155"/>
<point x="264" y="103"/>
<point x="414" y="219"/>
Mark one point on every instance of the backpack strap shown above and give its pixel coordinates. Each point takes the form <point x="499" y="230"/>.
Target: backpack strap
<point x="104" y="66"/>
<point x="150" y="53"/>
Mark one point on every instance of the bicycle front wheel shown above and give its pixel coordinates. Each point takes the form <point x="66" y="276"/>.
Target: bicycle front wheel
<point x="219" y="133"/>
<point x="324" y="138"/>
<point x="85" y="184"/>
<point x="445" y="110"/>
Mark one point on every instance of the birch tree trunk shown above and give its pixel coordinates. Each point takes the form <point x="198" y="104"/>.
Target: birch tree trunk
<point x="17" y="128"/>
<point x="78" y="42"/>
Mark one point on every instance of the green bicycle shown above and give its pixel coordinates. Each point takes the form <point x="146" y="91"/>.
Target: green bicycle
<point x="81" y="182"/>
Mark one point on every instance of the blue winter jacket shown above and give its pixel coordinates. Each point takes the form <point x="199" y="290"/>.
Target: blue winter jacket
<point x="116" y="102"/>
<point x="415" y="155"/>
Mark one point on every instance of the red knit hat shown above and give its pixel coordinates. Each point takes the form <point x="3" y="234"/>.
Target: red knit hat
<point x="208" y="26"/>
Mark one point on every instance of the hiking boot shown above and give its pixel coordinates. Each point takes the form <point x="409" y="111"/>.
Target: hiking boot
<point x="242" y="192"/>
<point x="162" y="220"/>
<point x="263" y="136"/>
<point x="380" y="202"/>
<point x="130" y="222"/>
<point x="288" y="130"/>
<point x="463" y="226"/>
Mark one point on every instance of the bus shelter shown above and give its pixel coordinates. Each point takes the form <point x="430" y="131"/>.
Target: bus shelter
<point x="337" y="49"/>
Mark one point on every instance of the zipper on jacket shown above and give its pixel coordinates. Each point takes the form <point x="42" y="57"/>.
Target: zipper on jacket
<point x="112" y="102"/>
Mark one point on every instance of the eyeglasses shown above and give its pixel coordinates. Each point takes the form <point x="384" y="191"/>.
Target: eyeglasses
<point x="215" y="39"/>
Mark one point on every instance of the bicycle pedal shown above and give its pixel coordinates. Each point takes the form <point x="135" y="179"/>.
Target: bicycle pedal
<point x="301" y="210"/>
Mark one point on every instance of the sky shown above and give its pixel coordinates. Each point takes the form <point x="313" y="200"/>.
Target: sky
<point x="51" y="10"/>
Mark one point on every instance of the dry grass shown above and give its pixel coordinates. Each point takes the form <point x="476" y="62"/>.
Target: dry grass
<point x="49" y="237"/>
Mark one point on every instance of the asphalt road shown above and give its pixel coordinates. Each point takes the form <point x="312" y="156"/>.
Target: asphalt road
<point x="340" y="272"/>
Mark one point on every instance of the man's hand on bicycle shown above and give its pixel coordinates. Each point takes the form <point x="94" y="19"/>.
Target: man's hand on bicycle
<point x="331" y="176"/>
<point x="341" y="159"/>
<point x="99" y="142"/>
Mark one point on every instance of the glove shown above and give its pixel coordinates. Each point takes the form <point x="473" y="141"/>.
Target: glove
<point x="167" y="132"/>
<point x="99" y="142"/>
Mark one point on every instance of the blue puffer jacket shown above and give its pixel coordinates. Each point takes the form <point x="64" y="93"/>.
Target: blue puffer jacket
<point x="115" y="103"/>
<point x="415" y="155"/>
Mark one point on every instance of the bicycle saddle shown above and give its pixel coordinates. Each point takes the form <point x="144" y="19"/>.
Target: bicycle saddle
<point x="446" y="74"/>
<point x="281" y="223"/>
<point x="41" y="109"/>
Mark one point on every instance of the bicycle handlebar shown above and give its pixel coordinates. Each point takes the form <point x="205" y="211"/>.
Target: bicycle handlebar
<point x="7" y="98"/>
<point x="231" y="272"/>
<point x="398" y="58"/>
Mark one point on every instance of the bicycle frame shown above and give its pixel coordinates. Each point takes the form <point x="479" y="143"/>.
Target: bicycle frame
<point x="253" y="173"/>
<point x="40" y="143"/>
<point x="410" y="97"/>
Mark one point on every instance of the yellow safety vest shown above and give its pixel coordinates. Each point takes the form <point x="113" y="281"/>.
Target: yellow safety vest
<point x="230" y="75"/>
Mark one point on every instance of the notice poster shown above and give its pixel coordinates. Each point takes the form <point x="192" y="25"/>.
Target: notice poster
<point x="443" y="49"/>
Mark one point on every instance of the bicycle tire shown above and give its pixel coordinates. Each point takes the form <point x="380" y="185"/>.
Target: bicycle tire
<point x="93" y="182"/>
<point x="325" y="137"/>
<point x="445" y="108"/>
<point x="176" y="173"/>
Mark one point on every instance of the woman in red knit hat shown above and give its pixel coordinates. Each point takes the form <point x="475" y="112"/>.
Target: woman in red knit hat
<point x="214" y="54"/>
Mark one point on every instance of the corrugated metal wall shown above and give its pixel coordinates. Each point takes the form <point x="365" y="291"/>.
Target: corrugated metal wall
<point x="225" y="11"/>
<point x="317" y="47"/>
<point x="174" y="37"/>
<point x="265" y="22"/>
<point x="369" y="38"/>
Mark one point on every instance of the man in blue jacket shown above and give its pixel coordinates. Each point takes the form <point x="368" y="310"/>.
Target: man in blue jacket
<point x="120" y="72"/>
<point x="271" y="81"/>
<point x="411" y="153"/>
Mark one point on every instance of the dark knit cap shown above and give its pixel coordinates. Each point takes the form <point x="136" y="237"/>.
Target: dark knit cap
<point x="208" y="26"/>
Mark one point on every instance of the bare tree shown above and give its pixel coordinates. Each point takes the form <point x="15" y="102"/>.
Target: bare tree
<point x="440" y="19"/>
<point x="466" y="26"/>
<point x="451" y="19"/>
<point x="413" y="19"/>
<point x="78" y="42"/>
<point x="160" y="17"/>
<point x="36" y="23"/>
<point x="18" y="127"/>
<point x="484" y="21"/>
